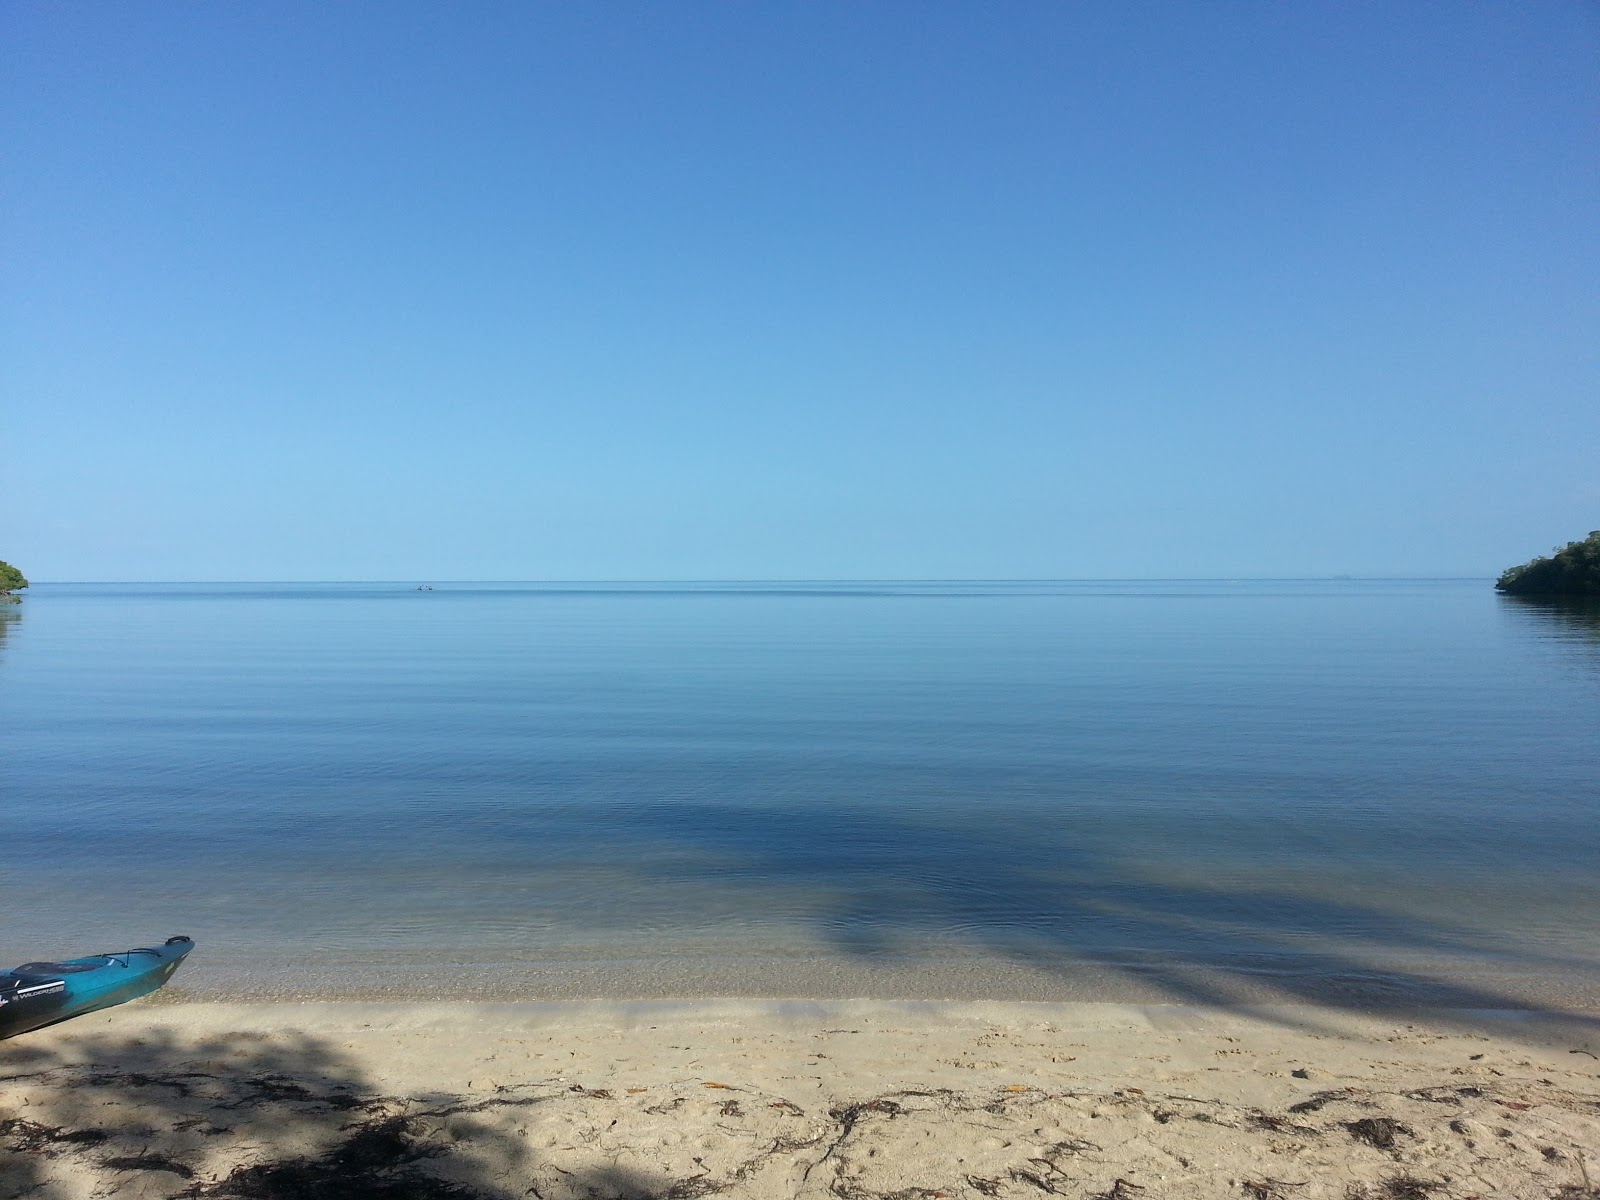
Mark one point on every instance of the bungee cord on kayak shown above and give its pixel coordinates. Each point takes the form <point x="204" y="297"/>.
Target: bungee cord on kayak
<point x="37" y="994"/>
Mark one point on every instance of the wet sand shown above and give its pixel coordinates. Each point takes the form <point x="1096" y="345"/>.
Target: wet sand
<point x="762" y="1098"/>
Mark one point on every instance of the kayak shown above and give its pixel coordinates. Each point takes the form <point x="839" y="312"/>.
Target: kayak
<point x="41" y="993"/>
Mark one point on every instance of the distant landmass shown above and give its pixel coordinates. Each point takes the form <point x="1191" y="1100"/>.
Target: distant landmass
<point x="11" y="580"/>
<point x="1573" y="570"/>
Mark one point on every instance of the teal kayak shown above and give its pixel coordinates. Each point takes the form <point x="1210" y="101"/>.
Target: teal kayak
<point x="41" y="993"/>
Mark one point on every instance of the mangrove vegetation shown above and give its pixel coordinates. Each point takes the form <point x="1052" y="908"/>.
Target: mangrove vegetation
<point x="11" y="580"/>
<point x="1573" y="570"/>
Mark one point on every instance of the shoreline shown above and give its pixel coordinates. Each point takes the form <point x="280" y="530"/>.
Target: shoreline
<point x="1373" y="984"/>
<point x="1580" y="1026"/>
<point x="803" y="1098"/>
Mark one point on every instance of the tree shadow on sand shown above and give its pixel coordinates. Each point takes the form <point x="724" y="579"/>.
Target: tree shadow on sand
<point x="259" y="1116"/>
<point x="254" y="1117"/>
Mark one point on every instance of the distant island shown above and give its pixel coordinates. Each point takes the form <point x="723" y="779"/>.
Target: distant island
<point x="11" y="580"/>
<point x="1571" y="571"/>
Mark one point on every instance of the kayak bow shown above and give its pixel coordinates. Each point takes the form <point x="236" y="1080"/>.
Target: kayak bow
<point x="41" y="993"/>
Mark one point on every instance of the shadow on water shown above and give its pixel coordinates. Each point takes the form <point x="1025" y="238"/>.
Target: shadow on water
<point x="261" y="1117"/>
<point x="1027" y="899"/>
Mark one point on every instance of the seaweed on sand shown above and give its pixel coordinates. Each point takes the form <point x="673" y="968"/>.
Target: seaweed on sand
<point x="377" y="1161"/>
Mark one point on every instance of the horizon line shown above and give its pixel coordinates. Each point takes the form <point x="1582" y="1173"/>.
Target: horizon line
<point x="414" y="582"/>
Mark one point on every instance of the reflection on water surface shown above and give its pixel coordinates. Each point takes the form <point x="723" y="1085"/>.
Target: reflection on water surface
<point x="1378" y="793"/>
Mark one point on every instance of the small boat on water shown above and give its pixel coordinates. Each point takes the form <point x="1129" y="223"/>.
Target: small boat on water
<point x="41" y="993"/>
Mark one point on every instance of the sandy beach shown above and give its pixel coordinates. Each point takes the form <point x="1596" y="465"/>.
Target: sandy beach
<point x="754" y="1098"/>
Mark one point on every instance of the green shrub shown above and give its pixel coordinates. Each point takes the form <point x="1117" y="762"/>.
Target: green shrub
<point x="1571" y="571"/>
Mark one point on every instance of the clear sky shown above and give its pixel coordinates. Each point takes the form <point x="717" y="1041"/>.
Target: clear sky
<point x="705" y="290"/>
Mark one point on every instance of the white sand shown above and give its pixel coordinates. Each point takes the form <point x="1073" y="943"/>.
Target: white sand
<point x="805" y="1099"/>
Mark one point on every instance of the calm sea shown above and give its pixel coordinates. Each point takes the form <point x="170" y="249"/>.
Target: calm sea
<point x="1363" y="792"/>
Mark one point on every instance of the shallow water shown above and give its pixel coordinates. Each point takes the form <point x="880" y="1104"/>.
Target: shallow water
<point x="1370" y="793"/>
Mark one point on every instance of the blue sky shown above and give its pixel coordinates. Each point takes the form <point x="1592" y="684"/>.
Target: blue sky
<point x="822" y="290"/>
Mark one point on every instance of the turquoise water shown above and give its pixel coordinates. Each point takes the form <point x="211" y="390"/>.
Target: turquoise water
<point x="1359" y="792"/>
